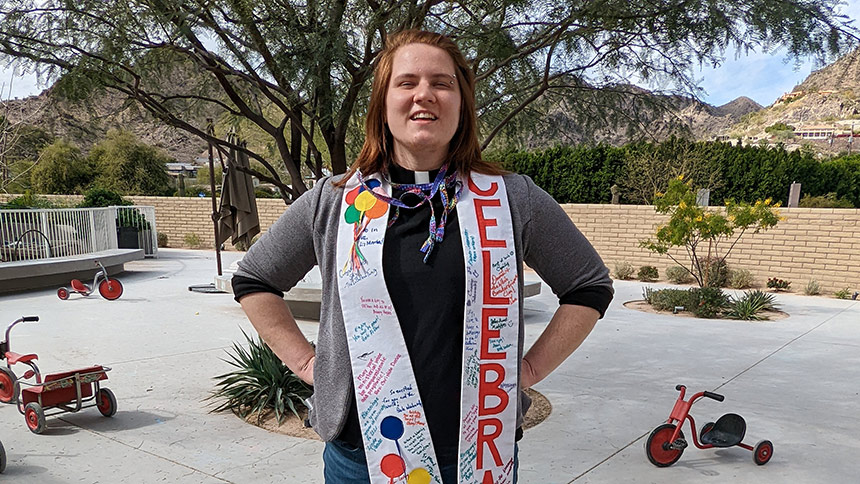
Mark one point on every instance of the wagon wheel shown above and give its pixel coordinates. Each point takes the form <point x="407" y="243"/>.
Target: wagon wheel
<point x="35" y="417"/>
<point x="106" y="402"/>
<point x="762" y="452"/>
<point x="656" y="447"/>
<point x="110" y="289"/>
<point x="2" y="458"/>
<point x="63" y="293"/>
<point x="8" y="386"/>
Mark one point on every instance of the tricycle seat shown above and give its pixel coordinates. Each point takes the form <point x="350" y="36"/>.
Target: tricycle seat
<point x="79" y="286"/>
<point x="727" y="432"/>
<point x="13" y="358"/>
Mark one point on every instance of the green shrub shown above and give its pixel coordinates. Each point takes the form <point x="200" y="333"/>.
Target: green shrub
<point x="648" y="294"/>
<point x="707" y="302"/>
<point x="261" y="383"/>
<point x="717" y="270"/>
<point x="102" y="197"/>
<point x="842" y="294"/>
<point x="28" y="200"/>
<point x="825" y="201"/>
<point x="623" y="270"/>
<point x="192" y="240"/>
<point x="778" y="284"/>
<point x="648" y="274"/>
<point x="812" y="288"/>
<point x="740" y="279"/>
<point x="162" y="239"/>
<point x="669" y="299"/>
<point x="750" y="305"/>
<point x="678" y="275"/>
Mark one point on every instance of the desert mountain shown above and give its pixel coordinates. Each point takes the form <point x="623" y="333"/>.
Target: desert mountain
<point x="86" y="123"/>
<point x="827" y="99"/>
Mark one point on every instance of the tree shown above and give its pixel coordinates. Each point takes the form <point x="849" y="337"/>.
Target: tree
<point x="295" y="69"/>
<point x="61" y="169"/>
<point x="127" y="166"/>
<point x="20" y="144"/>
<point x="648" y="167"/>
<point x="691" y="225"/>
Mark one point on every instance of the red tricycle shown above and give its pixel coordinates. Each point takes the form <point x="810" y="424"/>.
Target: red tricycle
<point x="69" y="391"/>
<point x="110" y="289"/>
<point x="666" y="442"/>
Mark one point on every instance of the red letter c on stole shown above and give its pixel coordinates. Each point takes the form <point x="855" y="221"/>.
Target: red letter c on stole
<point x="484" y="193"/>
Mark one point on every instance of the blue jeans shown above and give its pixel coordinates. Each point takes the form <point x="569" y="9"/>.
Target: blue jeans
<point x="345" y="464"/>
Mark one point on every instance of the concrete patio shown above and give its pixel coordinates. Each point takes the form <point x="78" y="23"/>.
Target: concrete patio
<point x="796" y="381"/>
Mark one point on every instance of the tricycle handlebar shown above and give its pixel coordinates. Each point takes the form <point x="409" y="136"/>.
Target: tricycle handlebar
<point x="715" y="396"/>
<point x="28" y="319"/>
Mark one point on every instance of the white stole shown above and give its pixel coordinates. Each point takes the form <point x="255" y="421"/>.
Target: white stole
<point x="397" y="441"/>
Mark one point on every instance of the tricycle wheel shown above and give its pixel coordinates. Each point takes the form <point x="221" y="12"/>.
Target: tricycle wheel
<point x="762" y="452"/>
<point x="8" y="386"/>
<point x="2" y="458"/>
<point x="106" y="402"/>
<point x="110" y="289"/>
<point x="63" y="293"/>
<point x="705" y="429"/>
<point x="35" y="417"/>
<point x="656" y="447"/>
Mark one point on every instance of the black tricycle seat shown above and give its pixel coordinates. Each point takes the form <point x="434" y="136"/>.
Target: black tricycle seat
<point x="728" y="431"/>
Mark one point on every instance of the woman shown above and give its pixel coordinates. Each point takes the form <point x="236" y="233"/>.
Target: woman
<point x="419" y="365"/>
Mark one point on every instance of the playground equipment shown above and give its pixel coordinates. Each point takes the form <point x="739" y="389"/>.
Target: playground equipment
<point x="666" y="443"/>
<point x="68" y="391"/>
<point x="110" y="289"/>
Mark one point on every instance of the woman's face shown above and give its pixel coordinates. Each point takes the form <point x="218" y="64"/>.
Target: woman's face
<point x="422" y="106"/>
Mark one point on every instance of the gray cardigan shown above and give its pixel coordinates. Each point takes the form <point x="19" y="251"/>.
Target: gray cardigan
<point x="306" y="234"/>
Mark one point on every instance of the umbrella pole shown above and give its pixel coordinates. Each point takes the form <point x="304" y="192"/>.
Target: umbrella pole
<point x="214" y="206"/>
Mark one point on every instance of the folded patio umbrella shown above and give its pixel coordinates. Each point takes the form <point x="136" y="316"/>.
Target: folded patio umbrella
<point x="237" y="215"/>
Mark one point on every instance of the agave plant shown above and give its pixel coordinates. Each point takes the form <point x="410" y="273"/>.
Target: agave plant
<point x="749" y="306"/>
<point x="261" y="383"/>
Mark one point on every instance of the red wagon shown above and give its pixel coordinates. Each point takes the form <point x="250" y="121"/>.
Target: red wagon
<point x="68" y="391"/>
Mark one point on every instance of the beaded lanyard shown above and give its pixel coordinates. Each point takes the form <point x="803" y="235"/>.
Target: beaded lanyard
<point x="440" y="184"/>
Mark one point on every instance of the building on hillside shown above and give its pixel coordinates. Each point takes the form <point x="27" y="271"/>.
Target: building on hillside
<point x="815" y="131"/>
<point x="790" y="96"/>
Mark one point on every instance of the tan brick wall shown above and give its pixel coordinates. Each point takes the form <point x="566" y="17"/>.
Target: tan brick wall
<point x="818" y="243"/>
<point x="811" y="243"/>
<point x="181" y="217"/>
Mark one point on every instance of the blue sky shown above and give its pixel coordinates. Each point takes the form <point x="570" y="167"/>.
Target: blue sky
<point x="762" y="77"/>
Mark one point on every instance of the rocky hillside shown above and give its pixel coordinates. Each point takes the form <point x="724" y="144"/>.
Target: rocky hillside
<point x="87" y="123"/>
<point x="827" y="97"/>
<point x="636" y="117"/>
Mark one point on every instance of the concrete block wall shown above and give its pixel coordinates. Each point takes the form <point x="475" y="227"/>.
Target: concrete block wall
<point x="818" y="243"/>
<point x="182" y="218"/>
<point x="810" y="243"/>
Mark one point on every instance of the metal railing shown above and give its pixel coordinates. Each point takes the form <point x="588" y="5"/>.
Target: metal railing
<point x="44" y="233"/>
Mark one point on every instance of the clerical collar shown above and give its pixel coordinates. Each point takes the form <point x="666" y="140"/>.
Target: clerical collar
<point x="404" y="176"/>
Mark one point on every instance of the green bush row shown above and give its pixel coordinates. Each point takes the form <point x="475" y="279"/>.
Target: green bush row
<point x="582" y="174"/>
